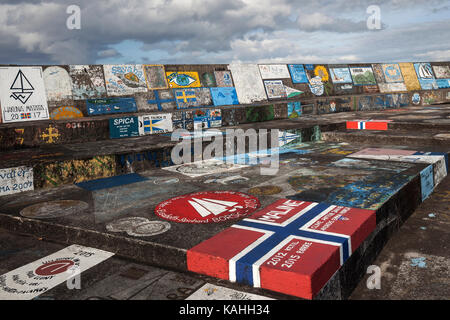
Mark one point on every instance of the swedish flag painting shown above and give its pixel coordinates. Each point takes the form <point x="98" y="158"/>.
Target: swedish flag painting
<point x="155" y="123"/>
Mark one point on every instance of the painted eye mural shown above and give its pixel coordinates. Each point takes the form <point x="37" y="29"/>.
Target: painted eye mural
<point x="183" y="80"/>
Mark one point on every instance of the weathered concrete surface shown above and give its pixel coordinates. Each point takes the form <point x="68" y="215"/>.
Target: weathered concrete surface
<point x="303" y="173"/>
<point x="415" y="263"/>
<point x="309" y="172"/>
<point x="114" y="278"/>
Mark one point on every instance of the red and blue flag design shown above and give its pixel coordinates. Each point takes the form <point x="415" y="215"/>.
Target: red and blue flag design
<point x="25" y="116"/>
<point x="292" y="247"/>
<point x="368" y="124"/>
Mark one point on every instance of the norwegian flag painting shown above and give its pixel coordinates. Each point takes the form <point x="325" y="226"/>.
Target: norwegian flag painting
<point x="368" y="124"/>
<point x="292" y="247"/>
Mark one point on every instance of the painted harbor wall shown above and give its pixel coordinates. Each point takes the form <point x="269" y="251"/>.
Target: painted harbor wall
<point x="43" y="105"/>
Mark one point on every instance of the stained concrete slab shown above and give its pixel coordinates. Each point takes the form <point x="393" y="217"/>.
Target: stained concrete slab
<point x="415" y="263"/>
<point x="303" y="172"/>
<point x="319" y="177"/>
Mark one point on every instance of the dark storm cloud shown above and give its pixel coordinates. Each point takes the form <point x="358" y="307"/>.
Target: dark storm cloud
<point x="35" y="31"/>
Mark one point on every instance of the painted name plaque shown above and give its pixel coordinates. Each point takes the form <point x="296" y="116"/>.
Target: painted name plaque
<point x="22" y="94"/>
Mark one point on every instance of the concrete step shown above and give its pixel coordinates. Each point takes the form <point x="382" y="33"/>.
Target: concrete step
<point x="157" y="205"/>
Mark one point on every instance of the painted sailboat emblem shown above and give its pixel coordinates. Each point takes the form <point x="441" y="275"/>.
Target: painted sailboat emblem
<point x="205" y="207"/>
<point x="425" y="71"/>
<point x="26" y="88"/>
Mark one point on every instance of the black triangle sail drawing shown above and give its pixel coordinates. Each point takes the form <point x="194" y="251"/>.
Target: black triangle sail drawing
<point x="26" y="88"/>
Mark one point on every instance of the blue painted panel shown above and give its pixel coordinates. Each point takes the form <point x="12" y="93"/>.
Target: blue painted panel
<point x="427" y="181"/>
<point x="224" y="96"/>
<point x="106" y="183"/>
<point x="123" y="127"/>
<point x="298" y="73"/>
<point x="110" y="105"/>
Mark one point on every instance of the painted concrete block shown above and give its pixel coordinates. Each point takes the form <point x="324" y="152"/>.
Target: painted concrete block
<point x="368" y="124"/>
<point x="123" y="127"/>
<point x="155" y="123"/>
<point x="183" y="79"/>
<point x="193" y="97"/>
<point x="124" y="79"/>
<point x="23" y="96"/>
<point x="155" y="76"/>
<point x="274" y="71"/>
<point x="88" y="81"/>
<point x="248" y="83"/>
<point x="292" y="247"/>
<point x="110" y="106"/>
<point x="15" y="180"/>
<point x="224" y="96"/>
<point x="425" y="75"/>
<point x="223" y="78"/>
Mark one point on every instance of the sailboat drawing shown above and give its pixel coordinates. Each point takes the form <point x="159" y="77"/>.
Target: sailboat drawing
<point x="26" y="88"/>
<point x="425" y="71"/>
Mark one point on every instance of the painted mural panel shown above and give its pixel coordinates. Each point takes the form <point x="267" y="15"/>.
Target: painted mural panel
<point x="183" y="120"/>
<point x="409" y="76"/>
<point x="223" y="78"/>
<point x="274" y="71"/>
<point x="224" y="96"/>
<point x="155" y="100"/>
<point x="425" y="75"/>
<point x="248" y="83"/>
<point x="275" y="89"/>
<point x="341" y="79"/>
<point x="22" y="94"/>
<point x="15" y="180"/>
<point x="58" y="84"/>
<point x="124" y="79"/>
<point x="183" y="79"/>
<point x="362" y="76"/>
<point x="155" y="123"/>
<point x="319" y="79"/>
<point x="294" y="109"/>
<point x="155" y="76"/>
<point x="298" y="73"/>
<point x="87" y="81"/>
<point x="66" y="112"/>
<point x="74" y="171"/>
<point x="340" y="75"/>
<point x="207" y="118"/>
<point x="442" y="73"/>
<point x="110" y="105"/>
<point x="392" y="72"/>
<point x="193" y="97"/>
<point x="123" y="127"/>
<point x="208" y="79"/>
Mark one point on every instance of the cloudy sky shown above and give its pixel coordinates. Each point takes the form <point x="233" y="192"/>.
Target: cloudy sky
<point x="223" y="31"/>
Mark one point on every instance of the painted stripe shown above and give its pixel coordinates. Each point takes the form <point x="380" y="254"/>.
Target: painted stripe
<point x="232" y="262"/>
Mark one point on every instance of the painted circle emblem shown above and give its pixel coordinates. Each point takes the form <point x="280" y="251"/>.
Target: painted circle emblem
<point x="415" y="98"/>
<point x="207" y="207"/>
<point x="54" y="209"/>
<point x="54" y="267"/>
